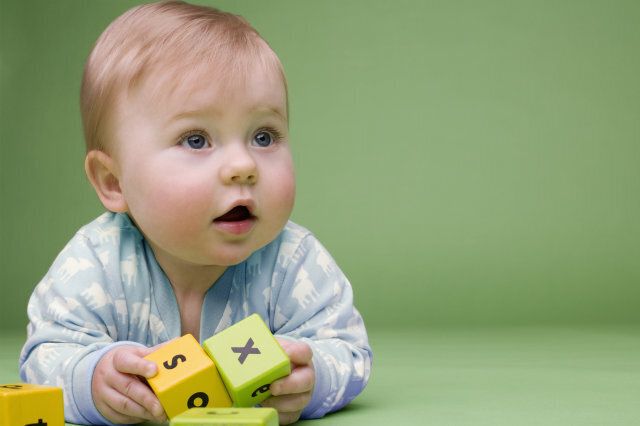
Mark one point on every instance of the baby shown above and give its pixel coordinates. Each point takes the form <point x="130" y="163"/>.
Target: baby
<point x="185" y="116"/>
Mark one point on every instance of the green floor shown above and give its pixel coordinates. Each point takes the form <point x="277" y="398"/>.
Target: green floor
<point x="505" y="376"/>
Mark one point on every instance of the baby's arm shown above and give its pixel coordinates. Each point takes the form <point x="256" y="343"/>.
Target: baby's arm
<point x="118" y="390"/>
<point x="314" y="305"/>
<point x="72" y="332"/>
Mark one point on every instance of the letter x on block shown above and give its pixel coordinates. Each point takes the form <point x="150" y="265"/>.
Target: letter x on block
<point x="246" y="350"/>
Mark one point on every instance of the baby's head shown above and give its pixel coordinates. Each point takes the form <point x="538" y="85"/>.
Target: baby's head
<point x="169" y="42"/>
<point x="186" y="123"/>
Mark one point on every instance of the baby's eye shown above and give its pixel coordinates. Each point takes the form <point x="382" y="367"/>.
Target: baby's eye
<point x="194" y="141"/>
<point x="265" y="138"/>
<point x="262" y="138"/>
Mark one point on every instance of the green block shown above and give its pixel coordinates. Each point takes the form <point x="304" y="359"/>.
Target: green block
<point x="249" y="359"/>
<point x="227" y="416"/>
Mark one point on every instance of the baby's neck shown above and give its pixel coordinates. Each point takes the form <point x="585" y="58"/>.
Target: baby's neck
<point x="190" y="305"/>
<point x="190" y="292"/>
<point x="193" y="283"/>
<point x="190" y="283"/>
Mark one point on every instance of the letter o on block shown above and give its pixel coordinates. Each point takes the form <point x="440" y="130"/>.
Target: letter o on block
<point x="186" y="378"/>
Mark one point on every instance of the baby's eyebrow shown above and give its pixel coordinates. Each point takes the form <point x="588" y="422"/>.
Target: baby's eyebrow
<point x="266" y="109"/>
<point x="272" y="111"/>
<point x="259" y="110"/>
<point x="194" y="113"/>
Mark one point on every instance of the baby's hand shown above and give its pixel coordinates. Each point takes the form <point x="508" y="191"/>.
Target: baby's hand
<point x="292" y="393"/>
<point x="119" y="394"/>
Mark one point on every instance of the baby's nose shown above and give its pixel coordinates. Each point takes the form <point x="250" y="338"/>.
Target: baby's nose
<point x="240" y="168"/>
<point x="244" y="178"/>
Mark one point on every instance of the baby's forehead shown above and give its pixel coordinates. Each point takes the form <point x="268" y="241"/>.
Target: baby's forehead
<point x="198" y="86"/>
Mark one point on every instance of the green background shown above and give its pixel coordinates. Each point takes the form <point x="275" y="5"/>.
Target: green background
<point x="472" y="166"/>
<point x="466" y="162"/>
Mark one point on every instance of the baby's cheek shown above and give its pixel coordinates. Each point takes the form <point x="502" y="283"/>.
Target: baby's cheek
<point x="171" y="207"/>
<point x="284" y="188"/>
<point x="281" y="172"/>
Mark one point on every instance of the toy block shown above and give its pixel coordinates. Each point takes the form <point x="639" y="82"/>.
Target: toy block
<point x="227" y="417"/>
<point x="249" y="359"/>
<point x="186" y="378"/>
<point x="24" y="404"/>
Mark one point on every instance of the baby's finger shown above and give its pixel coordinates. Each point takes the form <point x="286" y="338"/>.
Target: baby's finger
<point x="288" y="403"/>
<point x="115" y="417"/>
<point x="125" y="407"/>
<point x="298" y="352"/>
<point x="288" y="418"/>
<point x="132" y="363"/>
<point x="131" y="387"/>
<point x="300" y="380"/>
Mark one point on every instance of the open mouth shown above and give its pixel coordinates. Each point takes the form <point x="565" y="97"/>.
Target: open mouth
<point x="236" y="214"/>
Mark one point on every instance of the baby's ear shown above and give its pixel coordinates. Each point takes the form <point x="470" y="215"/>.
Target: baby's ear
<point x="101" y="172"/>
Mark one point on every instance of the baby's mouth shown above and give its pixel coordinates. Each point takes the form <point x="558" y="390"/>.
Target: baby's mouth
<point x="236" y="214"/>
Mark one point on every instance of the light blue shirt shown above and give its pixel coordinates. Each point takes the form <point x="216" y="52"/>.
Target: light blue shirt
<point x="106" y="289"/>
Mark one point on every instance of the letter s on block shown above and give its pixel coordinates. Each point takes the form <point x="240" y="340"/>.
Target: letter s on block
<point x="174" y="362"/>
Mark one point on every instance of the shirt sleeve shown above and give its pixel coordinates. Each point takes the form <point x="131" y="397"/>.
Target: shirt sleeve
<point x="71" y="326"/>
<point x="315" y="305"/>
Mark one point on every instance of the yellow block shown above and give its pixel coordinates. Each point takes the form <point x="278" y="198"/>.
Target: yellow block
<point x="187" y="377"/>
<point x="25" y="404"/>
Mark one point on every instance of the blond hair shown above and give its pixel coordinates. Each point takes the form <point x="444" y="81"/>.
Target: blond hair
<point x="169" y="40"/>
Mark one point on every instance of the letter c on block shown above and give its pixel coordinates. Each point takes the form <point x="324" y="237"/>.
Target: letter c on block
<point x="261" y="389"/>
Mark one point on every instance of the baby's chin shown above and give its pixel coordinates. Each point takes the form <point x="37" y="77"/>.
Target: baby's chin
<point x="230" y="252"/>
<point x="231" y="256"/>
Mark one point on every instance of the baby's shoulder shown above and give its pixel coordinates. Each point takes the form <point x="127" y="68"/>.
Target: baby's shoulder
<point x="296" y="244"/>
<point x="102" y="251"/>
<point x="106" y="240"/>
<point x="109" y="229"/>
<point x="293" y="240"/>
<point x="293" y="235"/>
